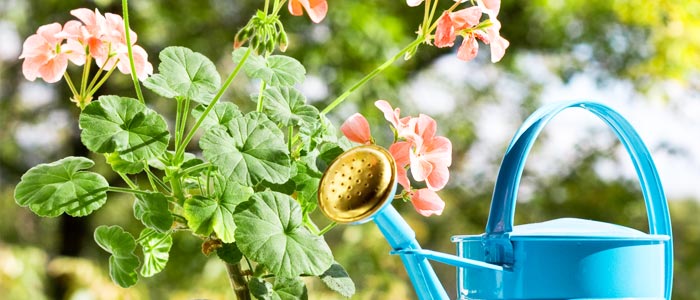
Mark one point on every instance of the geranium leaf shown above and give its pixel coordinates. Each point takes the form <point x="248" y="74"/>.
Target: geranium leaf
<point x="286" y="105"/>
<point x="337" y="279"/>
<point x="186" y="74"/>
<point x="307" y="181"/>
<point x="229" y="253"/>
<point x="260" y="288"/>
<point x="167" y="159"/>
<point x="207" y="214"/>
<point x="276" y="70"/>
<point x="123" y="263"/>
<point x="123" y="125"/>
<point x="269" y="231"/>
<point x="52" y="189"/>
<point x="156" y="251"/>
<point x="248" y="150"/>
<point x="289" y="289"/>
<point x="222" y="113"/>
<point x="122" y="166"/>
<point x="153" y="211"/>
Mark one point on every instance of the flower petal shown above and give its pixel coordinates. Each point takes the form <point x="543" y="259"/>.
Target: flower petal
<point x="356" y="129"/>
<point x="466" y="18"/>
<point x="414" y="3"/>
<point x="469" y="48"/>
<point x="427" y="202"/>
<point x="390" y="114"/>
<point x="401" y="153"/>
<point x="445" y="32"/>
<point x="438" y="177"/>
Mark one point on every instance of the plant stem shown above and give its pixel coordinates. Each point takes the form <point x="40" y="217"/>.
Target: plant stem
<point x="125" y="190"/>
<point x="134" y="77"/>
<point x="327" y="228"/>
<point x="102" y="81"/>
<point x="238" y="281"/>
<point x="71" y="85"/>
<point x="86" y="72"/>
<point x="371" y="75"/>
<point x="196" y="168"/>
<point x="229" y="80"/>
<point x="263" y="85"/>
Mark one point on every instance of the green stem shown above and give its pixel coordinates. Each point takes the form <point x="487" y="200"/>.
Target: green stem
<point x="310" y="225"/>
<point x="152" y="176"/>
<point x="128" y="181"/>
<point x="289" y="138"/>
<point x="178" y="115"/>
<point x="196" y="168"/>
<point x="70" y="85"/>
<point x="134" y="77"/>
<point x="125" y="190"/>
<point x="327" y="228"/>
<point x="371" y="75"/>
<point x="102" y="81"/>
<point x="229" y="80"/>
<point x="267" y="5"/>
<point x="99" y="72"/>
<point x="86" y="73"/>
<point x="183" y="119"/>
<point x="263" y="85"/>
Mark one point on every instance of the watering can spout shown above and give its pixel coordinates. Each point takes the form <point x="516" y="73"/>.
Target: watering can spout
<point x="358" y="187"/>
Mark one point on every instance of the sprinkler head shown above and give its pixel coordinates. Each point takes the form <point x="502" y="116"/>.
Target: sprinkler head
<point x="357" y="184"/>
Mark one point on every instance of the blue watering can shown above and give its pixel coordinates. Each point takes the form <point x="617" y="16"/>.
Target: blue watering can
<point x="559" y="259"/>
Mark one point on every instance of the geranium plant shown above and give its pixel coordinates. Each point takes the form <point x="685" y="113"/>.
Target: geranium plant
<point x="250" y="191"/>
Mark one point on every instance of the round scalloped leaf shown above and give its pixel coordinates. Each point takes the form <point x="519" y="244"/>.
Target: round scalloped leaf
<point x="269" y="230"/>
<point x="185" y="73"/>
<point x="123" y="125"/>
<point x="52" y="189"/>
<point x="123" y="263"/>
<point x="248" y="150"/>
<point x="156" y="251"/>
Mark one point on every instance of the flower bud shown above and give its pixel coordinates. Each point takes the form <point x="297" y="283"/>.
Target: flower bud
<point x="282" y="40"/>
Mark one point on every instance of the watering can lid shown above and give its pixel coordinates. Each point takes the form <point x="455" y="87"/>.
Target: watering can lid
<point x="579" y="229"/>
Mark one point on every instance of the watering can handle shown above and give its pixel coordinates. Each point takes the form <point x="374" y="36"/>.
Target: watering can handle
<point x="500" y="220"/>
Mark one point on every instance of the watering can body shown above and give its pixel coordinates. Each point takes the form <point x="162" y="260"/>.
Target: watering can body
<point x="569" y="258"/>
<point x="607" y="262"/>
<point x="558" y="259"/>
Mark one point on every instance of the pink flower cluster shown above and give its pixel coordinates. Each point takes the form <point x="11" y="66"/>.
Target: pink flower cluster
<point x="426" y="155"/>
<point x="102" y="37"/>
<point x="464" y="22"/>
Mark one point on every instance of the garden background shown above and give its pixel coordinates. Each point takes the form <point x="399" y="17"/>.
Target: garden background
<point x="639" y="57"/>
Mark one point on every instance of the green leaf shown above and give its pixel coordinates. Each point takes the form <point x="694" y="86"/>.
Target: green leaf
<point x="307" y="181"/>
<point x="276" y="70"/>
<point x="156" y="251"/>
<point x="269" y="231"/>
<point x="313" y="134"/>
<point x="167" y="160"/>
<point x="286" y="105"/>
<point x="337" y="279"/>
<point x="229" y="253"/>
<point x="186" y="74"/>
<point x="207" y="214"/>
<point x="52" y="189"/>
<point x="153" y="211"/>
<point x="123" y="263"/>
<point x="123" y="125"/>
<point x="122" y="166"/>
<point x="222" y="113"/>
<point x="289" y="289"/>
<point x="248" y="150"/>
<point x="283" y="289"/>
<point x="260" y="288"/>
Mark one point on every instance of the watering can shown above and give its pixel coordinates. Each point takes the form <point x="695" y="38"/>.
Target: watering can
<point x="558" y="259"/>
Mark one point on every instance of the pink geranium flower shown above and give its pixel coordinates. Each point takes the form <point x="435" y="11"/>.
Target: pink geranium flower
<point x="46" y="55"/>
<point x="105" y="38"/>
<point x="316" y="9"/>
<point x="427" y="202"/>
<point x="450" y="23"/>
<point x="356" y="129"/>
<point x="393" y="116"/>
<point x="469" y="48"/>
<point x="430" y="162"/>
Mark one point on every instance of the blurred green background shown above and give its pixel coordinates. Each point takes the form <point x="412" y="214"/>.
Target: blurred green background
<point x="638" y="56"/>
